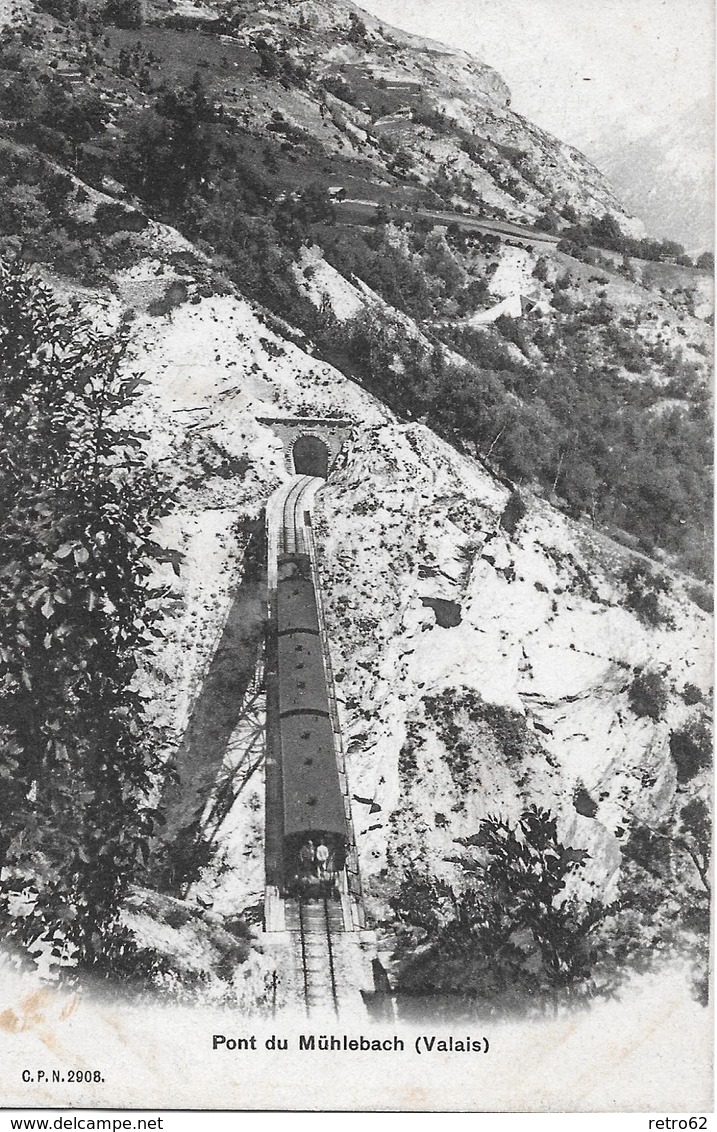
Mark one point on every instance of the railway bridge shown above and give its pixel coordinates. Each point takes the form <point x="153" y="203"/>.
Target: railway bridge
<point x="326" y="953"/>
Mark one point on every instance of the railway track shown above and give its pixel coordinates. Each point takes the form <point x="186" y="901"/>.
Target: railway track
<point x="315" y="924"/>
<point x="292" y="525"/>
<point x="321" y="931"/>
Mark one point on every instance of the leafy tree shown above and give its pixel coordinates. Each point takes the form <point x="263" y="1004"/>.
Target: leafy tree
<point x="275" y="62"/>
<point x="540" y="271"/>
<point x="337" y="85"/>
<point x="269" y="63"/>
<point x="166" y="152"/>
<point x="295" y="215"/>
<point x="125" y="13"/>
<point x="548" y="220"/>
<point x="694" y="836"/>
<point x="512" y="934"/>
<point x="664" y="892"/>
<point x="24" y="213"/>
<point x="607" y="232"/>
<point x="78" y="117"/>
<point x="78" y="757"/>
<point x="357" y="29"/>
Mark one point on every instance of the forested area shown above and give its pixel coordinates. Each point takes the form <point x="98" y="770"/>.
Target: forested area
<point x="571" y="423"/>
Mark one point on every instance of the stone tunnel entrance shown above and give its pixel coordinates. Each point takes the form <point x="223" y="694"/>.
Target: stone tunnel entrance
<point x="310" y="456"/>
<point x="311" y="444"/>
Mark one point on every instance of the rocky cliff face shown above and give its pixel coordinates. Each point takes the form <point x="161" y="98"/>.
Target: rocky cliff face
<point x="483" y="668"/>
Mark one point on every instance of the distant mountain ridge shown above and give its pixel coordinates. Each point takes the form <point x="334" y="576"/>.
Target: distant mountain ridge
<point x="667" y="176"/>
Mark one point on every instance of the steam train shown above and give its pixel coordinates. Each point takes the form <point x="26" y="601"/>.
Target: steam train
<point x="313" y="805"/>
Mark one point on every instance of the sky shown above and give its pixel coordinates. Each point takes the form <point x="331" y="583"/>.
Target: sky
<point x="579" y="68"/>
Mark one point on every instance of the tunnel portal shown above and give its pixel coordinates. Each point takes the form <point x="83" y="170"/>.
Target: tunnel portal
<point x="311" y="444"/>
<point x="311" y="457"/>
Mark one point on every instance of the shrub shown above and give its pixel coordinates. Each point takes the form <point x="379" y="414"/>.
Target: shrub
<point x="514" y="512"/>
<point x="540" y="271"/>
<point x="691" y="749"/>
<point x="174" y="295"/>
<point x="647" y="695"/>
<point x="509" y="935"/>
<point x="691" y="694"/>
<point x="584" y="803"/>
<point x="357" y="29"/>
<point x="701" y="595"/>
<point x="644" y="589"/>
<point x="508" y="729"/>
<point x="338" y="86"/>
<point x="127" y="14"/>
<point x="111" y="217"/>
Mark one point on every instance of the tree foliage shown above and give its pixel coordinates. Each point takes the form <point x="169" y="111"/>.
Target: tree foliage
<point x="647" y="695"/>
<point x="77" y="613"/>
<point x="512" y="934"/>
<point x="125" y="13"/>
<point x="559" y="412"/>
<point x="664" y="892"/>
<point x="605" y="232"/>
<point x="166" y="152"/>
<point x="645" y="588"/>
<point x="691" y="748"/>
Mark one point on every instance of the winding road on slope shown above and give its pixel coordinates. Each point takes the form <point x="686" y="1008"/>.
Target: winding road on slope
<point x="364" y="212"/>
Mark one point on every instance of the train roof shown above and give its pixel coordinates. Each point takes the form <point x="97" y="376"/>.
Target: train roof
<point x="302" y="679"/>
<point x="296" y="605"/>
<point x="294" y="615"/>
<point x="310" y="779"/>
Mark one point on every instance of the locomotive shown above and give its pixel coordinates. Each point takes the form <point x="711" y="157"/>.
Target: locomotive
<point x="313" y="804"/>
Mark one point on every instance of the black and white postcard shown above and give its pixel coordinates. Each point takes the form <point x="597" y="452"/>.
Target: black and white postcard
<point x="356" y="555"/>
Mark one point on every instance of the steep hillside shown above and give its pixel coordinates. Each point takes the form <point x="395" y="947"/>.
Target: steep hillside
<point x="488" y="654"/>
<point x="510" y="540"/>
<point x="308" y="93"/>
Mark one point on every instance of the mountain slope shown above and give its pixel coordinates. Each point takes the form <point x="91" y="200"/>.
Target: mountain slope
<point x="503" y="539"/>
<point x="542" y="636"/>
